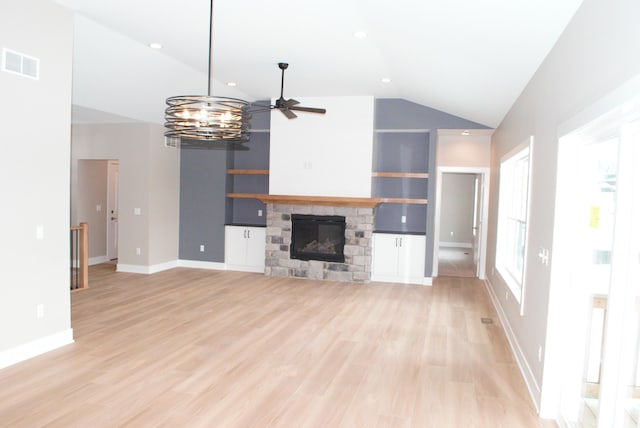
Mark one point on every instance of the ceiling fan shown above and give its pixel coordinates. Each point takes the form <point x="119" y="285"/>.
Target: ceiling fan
<point x="287" y="107"/>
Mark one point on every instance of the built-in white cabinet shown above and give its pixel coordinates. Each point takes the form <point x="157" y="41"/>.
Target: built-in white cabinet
<point x="244" y="248"/>
<point x="398" y="258"/>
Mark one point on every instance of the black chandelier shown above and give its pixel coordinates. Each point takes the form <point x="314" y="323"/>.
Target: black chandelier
<point x="207" y="121"/>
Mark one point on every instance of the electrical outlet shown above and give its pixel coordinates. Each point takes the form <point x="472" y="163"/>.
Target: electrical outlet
<point x="202" y="248"/>
<point x="259" y="213"/>
<point x="40" y="311"/>
<point x="403" y="219"/>
<point x="137" y="211"/>
<point x="138" y="251"/>
<point x="451" y="233"/>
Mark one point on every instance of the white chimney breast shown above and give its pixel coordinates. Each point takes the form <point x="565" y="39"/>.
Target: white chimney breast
<point x="323" y="155"/>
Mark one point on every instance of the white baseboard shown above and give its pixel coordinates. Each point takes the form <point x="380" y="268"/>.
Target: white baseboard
<point x="197" y="264"/>
<point x="98" y="260"/>
<point x="243" y="268"/>
<point x="523" y="365"/>
<point x="147" y="270"/>
<point x="34" y="348"/>
<point x="401" y="280"/>
<point x="455" y="244"/>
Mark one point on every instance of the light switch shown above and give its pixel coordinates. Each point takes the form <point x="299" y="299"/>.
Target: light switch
<point x="98" y="208"/>
<point x="403" y="219"/>
<point x="136" y="211"/>
<point x="259" y="213"/>
<point x="39" y="232"/>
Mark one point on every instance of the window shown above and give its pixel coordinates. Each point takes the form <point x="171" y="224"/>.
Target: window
<point x="513" y="206"/>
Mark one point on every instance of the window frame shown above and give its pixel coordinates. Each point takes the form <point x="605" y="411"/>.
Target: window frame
<point x="514" y="198"/>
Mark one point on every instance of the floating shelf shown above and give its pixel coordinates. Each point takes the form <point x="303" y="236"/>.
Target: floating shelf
<point x="325" y="200"/>
<point x="401" y="174"/>
<point x="404" y="201"/>
<point x="248" y="171"/>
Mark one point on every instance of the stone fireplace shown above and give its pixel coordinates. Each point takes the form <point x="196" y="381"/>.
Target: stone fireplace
<point x="358" y="229"/>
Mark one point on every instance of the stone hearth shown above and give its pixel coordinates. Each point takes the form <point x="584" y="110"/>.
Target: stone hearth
<point x="357" y="249"/>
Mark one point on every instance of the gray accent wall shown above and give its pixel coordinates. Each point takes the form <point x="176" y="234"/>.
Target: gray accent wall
<point x="203" y="188"/>
<point x="394" y="113"/>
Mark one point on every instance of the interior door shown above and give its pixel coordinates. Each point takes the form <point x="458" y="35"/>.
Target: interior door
<point x="476" y="228"/>
<point x="112" y="210"/>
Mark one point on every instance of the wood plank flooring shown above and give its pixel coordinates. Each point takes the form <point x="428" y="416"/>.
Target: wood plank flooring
<point x="197" y="348"/>
<point x="456" y="261"/>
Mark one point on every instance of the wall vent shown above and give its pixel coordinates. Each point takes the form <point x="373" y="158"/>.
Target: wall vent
<point x="172" y="142"/>
<point x="21" y="64"/>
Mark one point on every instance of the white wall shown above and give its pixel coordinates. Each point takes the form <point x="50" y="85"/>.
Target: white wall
<point x="458" y="150"/>
<point x="149" y="178"/>
<point x="92" y="192"/>
<point x="456" y="209"/>
<point x="597" y="53"/>
<point x="323" y="155"/>
<point x="34" y="181"/>
<point x="115" y="74"/>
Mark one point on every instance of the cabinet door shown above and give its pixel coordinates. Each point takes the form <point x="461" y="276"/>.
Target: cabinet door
<point x="411" y="253"/>
<point x="256" y="237"/>
<point x="235" y="246"/>
<point x="385" y="256"/>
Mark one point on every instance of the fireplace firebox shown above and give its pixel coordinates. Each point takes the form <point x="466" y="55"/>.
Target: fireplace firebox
<point x="315" y="237"/>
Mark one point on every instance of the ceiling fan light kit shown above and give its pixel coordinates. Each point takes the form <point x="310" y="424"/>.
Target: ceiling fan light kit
<point x="207" y="121"/>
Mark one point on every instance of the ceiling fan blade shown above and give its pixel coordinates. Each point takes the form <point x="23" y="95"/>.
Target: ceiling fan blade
<point x="309" y="109"/>
<point x="288" y="113"/>
<point x="291" y="102"/>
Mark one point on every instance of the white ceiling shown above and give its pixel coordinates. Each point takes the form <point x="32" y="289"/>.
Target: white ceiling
<point x="469" y="58"/>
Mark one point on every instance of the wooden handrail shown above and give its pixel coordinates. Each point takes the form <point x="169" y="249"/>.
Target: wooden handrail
<point x="83" y="255"/>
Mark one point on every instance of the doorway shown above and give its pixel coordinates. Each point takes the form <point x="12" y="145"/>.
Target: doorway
<point x="461" y="212"/>
<point x="596" y="272"/>
<point x="96" y="203"/>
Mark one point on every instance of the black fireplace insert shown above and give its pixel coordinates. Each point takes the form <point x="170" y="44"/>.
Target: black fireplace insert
<point x="315" y="237"/>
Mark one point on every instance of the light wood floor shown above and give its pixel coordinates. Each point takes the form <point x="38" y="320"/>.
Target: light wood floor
<point x="196" y="348"/>
<point x="456" y="261"/>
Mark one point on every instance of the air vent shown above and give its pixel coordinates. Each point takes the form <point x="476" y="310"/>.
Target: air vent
<point x="21" y="64"/>
<point x="172" y="142"/>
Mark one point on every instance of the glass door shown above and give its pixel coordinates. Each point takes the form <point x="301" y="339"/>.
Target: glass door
<point x="601" y="380"/>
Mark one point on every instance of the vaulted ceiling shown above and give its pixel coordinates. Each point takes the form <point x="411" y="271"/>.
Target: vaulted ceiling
<point x="469" y="58"/>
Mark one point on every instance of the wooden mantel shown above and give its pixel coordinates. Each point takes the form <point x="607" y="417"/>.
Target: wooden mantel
<point x="331" y="201"/>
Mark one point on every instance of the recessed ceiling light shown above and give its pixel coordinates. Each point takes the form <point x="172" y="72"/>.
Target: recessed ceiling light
<point x="231" y="83"/>
<point x="385" y="80"/>
<point x="466" y="132"/>
<point x="155" y="45"/>
<point x="359" y="34"/>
